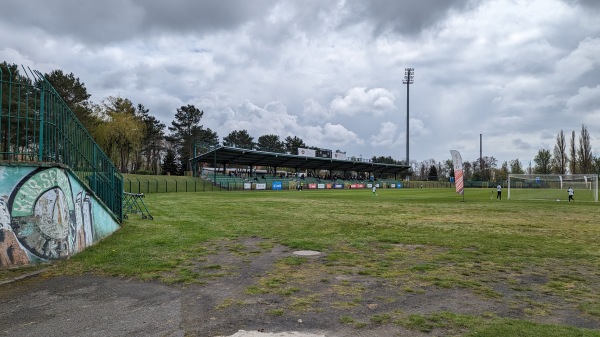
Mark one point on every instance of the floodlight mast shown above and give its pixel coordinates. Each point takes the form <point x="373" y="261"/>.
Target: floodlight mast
<point x="409" y="77"/>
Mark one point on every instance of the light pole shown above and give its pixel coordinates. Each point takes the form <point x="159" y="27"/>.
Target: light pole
<point x="409" y="76"/>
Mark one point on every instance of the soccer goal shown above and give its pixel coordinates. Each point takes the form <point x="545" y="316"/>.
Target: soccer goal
<point x="553" y="187"/>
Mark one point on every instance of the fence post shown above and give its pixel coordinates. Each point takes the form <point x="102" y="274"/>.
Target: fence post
<point x="41" y="146"/>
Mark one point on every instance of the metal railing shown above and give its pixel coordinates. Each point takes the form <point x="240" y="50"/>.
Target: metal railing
<point x="37" y="126"/>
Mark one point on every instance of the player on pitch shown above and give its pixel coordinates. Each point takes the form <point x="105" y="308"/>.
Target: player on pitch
<point x="570" y="191"/>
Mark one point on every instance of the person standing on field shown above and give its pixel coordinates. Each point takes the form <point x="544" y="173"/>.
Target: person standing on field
<point x="499" y="194"/>
<point x="570" y="191"/>
<point x="374" y="190"/>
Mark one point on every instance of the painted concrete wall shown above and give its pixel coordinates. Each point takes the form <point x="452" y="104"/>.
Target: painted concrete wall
<point x="47" y="214"/>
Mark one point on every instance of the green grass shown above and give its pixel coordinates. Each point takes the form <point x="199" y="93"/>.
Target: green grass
<point x="416" y="238"/>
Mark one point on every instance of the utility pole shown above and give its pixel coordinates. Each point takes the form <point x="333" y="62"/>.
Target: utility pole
<point x="481" y="153"/>
<point x="409" y="76"/>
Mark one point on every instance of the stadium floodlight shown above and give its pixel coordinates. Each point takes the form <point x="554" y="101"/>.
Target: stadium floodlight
<point x="409" y="77"/>
<point x="553" y="187"/>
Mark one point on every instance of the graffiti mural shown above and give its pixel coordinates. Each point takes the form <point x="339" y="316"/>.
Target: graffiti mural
<point x="46" y="214"/>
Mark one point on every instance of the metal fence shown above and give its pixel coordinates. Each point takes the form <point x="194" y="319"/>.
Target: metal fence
<point x="167" y="185"/>
<point x="37" y="126"/>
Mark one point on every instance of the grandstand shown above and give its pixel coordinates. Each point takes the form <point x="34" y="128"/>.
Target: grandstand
<point x="230" y="166"/>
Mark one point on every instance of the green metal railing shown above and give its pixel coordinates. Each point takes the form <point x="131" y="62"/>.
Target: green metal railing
<point x="37" y="126"/>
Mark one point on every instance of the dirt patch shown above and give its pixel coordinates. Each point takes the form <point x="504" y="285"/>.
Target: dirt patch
<point x="264" y="289"/>
<point x="267" y="288"/>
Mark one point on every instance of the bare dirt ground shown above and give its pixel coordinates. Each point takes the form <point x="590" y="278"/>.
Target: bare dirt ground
<point x="255" y="288"/>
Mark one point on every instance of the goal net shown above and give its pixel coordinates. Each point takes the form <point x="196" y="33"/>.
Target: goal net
<point x="553" y="186"/>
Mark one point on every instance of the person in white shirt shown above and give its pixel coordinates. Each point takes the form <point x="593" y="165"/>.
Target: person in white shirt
<point x="499" y="194"/>
<point x="570" y="191"/>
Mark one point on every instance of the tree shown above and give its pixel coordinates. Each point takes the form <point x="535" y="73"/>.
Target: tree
<point x="75" y="95"/>
<point x="449" y="166"/>
<point x="560" y="159"/>
<point x="240" y="139"/>
<point x="483" y="168"/>
<point x="270" y="143"/>
<point x="152" y="143"/>
<point x="13" y="100"/>
<point x="573" y="152"/>
<point x="292" y="144"/>
<point x="186" y="132"/>
<point x="467" y="170"/>
<point x="122" y="132"/>
<point x="502" y="172"/>
<point x="596" y="165"/>
<point x="206" y="138"/>
<point x="543" y="161"/>
<point x="442" y="173"/>
<point x="584" y="153"/>
<point x="515" y="166"/>
<point x="422" y="172"/>
<point x="169" y="165"/>
<point x="433" y="173"/>
<point x="386" y="160"/>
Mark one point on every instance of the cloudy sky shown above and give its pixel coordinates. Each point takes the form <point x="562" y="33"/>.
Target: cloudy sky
<point x="330" y="72"/>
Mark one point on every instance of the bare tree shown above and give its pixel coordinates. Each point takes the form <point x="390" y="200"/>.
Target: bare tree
<point x="560" y="159"/>
<point x="584" y="153"/>
<point x="467" y="170"/>
<point x="449" y="167"/>
<point x="573" y="152"/>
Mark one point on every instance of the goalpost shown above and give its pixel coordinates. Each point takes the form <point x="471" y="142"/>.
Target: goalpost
<point x="553" y="186"/>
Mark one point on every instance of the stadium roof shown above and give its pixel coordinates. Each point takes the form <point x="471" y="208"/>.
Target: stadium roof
<point x="235" y="156"/>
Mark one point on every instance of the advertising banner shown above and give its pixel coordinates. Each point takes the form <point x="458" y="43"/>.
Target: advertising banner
<point x="247" y="186"/>
<point x="324" y="153"/>
<point x="261" y="186"/>
<point x="339" y="155"/>
<point x="277" y="186"/>
<point x="458" y="171"/>
<point x="307" y="152"/>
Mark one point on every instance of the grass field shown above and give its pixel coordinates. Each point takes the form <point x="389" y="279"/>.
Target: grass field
<point x="534" y="258"/>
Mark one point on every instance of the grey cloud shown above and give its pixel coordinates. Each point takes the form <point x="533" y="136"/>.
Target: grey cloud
<point x="108" y="21"/>
<point x="194" y="15"/>
<point x="521" y="144"/>
<point x="593" y="4"/>
<point x="404" y="17"/>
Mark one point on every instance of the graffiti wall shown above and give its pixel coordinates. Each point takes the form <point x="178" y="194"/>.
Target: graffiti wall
<point x="47" y="214"/>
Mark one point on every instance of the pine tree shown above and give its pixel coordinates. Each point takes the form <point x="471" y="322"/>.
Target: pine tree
<point x="169" y="164"/>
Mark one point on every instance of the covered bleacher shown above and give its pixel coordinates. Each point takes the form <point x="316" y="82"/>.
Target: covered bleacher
<point x="217" y="164"/>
